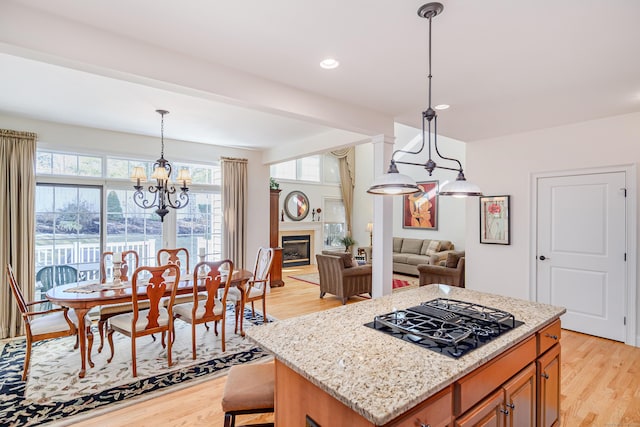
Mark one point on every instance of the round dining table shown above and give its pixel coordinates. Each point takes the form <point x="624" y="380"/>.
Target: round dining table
<point x="82" y="301"/>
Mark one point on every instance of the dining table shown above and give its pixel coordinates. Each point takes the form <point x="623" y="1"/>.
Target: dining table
<point x="83" y="296"/>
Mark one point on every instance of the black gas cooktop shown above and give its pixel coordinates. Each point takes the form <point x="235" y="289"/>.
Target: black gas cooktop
<point x="447" y="326"/>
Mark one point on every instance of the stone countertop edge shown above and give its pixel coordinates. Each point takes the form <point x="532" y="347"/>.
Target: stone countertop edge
<point x="379" y="376"/>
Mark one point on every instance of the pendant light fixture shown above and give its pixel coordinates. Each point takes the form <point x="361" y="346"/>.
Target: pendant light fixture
<point x="393" y="182"/>
<point x="163" y="191"/>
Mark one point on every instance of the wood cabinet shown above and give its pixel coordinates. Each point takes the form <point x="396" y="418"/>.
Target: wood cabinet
<point x="434" y="412"/>
<point x="512" y="405"/>
<point x="487" y="413"/>
<point x="548" y="379"/>
<point x="520" y="398"/>
<point x="274" y="228"/>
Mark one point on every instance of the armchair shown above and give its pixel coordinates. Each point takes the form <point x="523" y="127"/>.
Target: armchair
<point x="342" y="281"/>
<point x="453" y="276"/>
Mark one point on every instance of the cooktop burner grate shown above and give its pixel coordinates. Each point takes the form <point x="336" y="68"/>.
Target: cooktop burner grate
<point x="447" y="326"/>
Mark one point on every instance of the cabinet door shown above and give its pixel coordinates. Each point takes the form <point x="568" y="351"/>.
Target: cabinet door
<point x="487" y="413"/>
<point x="520" y="398"/>
<point x="549" y="388"/>
<point x="434" y="412"/>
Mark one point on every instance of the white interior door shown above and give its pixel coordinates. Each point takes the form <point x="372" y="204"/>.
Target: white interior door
<point x="581" y="251"/>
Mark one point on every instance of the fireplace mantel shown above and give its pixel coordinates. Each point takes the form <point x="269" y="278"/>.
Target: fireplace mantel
<point x="312" y="228"/>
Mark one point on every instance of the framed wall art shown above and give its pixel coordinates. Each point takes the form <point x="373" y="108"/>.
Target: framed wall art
<point x="420" y="210"/>
<point x="494" y="220"/>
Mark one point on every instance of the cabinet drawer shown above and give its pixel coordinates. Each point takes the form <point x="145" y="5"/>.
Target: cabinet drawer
<point x="474" y="387"/>
<point x="435" y="412"/>
<point x="548" y="337"/>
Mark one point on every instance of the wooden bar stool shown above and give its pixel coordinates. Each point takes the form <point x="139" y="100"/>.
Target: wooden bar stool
<point x="249" y="390"/>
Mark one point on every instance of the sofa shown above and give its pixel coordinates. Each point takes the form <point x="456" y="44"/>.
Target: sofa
<point x="448" y="272"/>
<point x="409" y="253"/>
<point x="340" y="277"/>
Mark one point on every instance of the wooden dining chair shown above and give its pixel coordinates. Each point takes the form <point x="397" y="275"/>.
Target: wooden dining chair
<point x="257" y="286"/>
<point x="212" y="309"/>
<point x="130" y="261"/>
<point x="178" y="256"/>
<point x="45" y="324"/>
<point x="156" y="318"/>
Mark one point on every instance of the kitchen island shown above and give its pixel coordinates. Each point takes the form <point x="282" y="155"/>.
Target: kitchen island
<point x="332" y="370"/>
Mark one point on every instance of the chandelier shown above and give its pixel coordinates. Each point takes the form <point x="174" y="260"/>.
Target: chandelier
<point x="164" y="193"/>
<point x="394" y="182"/>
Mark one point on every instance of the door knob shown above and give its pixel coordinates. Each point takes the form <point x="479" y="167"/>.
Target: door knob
<point x="542" y="257"/>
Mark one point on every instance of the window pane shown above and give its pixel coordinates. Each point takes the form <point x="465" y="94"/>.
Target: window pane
<point x="65" y="164"/>
<point x="89" y="166"/>
<point x="309" y="169"/>
<point x="285" y="170"/>
<point x="67" y="234"/>
<point x="200" y="226"/>
<point x="331" y="169"/>
<point x="130" y="227"/>
<point x="43" y="163"/>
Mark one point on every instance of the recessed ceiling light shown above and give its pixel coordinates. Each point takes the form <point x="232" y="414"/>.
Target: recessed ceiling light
<point x="441" y="106"/>
<point x="329" y="64"/>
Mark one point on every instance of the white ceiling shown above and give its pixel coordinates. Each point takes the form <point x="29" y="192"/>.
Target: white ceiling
<point x="504" y="66"/>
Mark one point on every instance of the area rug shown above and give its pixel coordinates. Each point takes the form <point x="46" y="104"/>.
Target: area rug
<point x="54" y="392"/>
<point x="399" y="280"/>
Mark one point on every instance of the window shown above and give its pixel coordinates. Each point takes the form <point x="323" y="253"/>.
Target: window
<point x="306" y="169"/>
<point x="199" y="226"/>
<point x="74" y="217"/>
<point x="68" y="233"/>
<point x="334" y="223"/>
<point x="130" y="227"/>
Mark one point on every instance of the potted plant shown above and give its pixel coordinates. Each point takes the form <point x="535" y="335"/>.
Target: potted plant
<point x="273" y="184"/>
<point x="347" y="241"/>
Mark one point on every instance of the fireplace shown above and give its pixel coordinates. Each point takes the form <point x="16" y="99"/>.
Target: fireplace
<point x="296" y="250"/>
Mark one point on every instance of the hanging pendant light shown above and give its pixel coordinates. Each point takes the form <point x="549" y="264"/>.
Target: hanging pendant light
<point x="393" y="182"/>
<point x="165" y="194"/>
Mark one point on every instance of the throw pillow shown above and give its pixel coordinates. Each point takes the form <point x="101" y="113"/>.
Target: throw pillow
<point x="434" y="247"/>
<point x="346" y="257"/>
<point x="452" y="260"/>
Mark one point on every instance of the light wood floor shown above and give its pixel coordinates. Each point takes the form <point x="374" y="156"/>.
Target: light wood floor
<point x="600" y="378"/>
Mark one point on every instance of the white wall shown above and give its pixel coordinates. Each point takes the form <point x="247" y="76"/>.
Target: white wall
<point x="504" y="166"/>
<point x="77" y="139"/>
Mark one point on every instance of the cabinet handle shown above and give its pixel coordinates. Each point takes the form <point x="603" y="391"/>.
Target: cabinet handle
<point x="505" y="411"/>
<point x="511" y="405"/>
<point x="555" y="337"/>
<point x="544" y="375"/>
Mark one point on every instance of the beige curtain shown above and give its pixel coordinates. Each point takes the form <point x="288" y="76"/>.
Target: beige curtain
<point x="234" y="208"/>
<point x="18" y="186"/>
<point x="347" y="159"/>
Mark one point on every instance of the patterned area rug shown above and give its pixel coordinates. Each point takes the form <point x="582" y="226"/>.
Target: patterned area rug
<point x="53" y="390"/>
<point x="399" y="280"/>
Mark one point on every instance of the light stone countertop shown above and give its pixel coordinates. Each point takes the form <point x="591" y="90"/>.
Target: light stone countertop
<point x="377" y="375"/>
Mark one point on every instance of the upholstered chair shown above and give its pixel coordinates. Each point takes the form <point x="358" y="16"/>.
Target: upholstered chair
<point x="341" y="280"/>
<point x="449" y="272"/>
<point x="250" y="389"/>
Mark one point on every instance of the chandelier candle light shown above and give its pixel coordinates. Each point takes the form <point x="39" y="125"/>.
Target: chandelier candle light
<point x="164" y="192"/>
<point x="393" y="182"/>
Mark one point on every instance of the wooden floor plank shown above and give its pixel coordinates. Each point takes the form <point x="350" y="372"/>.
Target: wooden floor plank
<point x="600" y="378"/>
